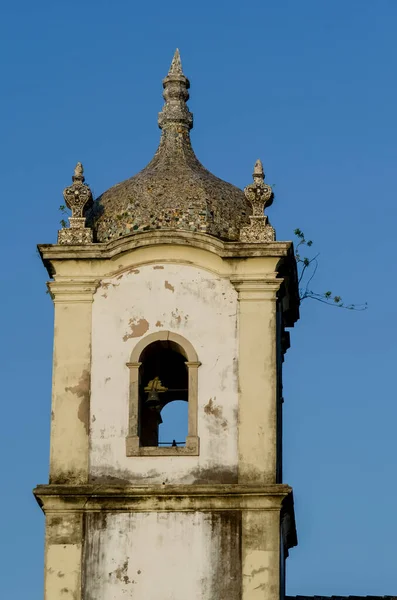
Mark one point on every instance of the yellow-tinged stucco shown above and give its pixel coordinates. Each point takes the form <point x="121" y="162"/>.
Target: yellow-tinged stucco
<point x="107" y="298"/>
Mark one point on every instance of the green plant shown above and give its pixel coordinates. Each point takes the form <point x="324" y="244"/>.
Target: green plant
<point x="307" y="268"/>
<point x="64" y="211"/>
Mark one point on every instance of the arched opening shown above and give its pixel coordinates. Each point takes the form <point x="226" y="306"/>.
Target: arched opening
<point x="163" y="379"/>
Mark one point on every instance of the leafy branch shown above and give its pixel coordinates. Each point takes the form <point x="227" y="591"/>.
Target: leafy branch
<point x="307" y="269"/>
<point x="64" y="211"/>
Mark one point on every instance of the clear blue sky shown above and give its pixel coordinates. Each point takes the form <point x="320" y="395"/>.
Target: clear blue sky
<point x="308" y="86"/>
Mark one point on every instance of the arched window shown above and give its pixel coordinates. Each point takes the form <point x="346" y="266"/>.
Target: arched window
<point x="163" y="370"/>
<point x="163" y="378"/>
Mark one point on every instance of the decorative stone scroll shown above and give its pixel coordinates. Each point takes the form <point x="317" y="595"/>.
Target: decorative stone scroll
<point x="78" y="197"/>
<point x="260" y="195"/>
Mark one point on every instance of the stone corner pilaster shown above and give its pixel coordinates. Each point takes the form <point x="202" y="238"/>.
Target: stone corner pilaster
<point x="71" y="291"/>
<point x="257" y="287"/>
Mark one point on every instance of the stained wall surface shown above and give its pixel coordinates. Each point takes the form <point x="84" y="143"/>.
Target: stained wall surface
<point x="200" y="306"/>
<point x="163" y="556"/>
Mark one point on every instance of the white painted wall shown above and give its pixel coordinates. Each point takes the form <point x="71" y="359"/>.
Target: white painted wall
<point x="199" y="306"/>
<point x="163" y="556"/>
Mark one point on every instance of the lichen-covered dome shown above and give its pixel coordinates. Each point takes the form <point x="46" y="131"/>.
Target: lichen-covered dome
<point x="174" y="191"/>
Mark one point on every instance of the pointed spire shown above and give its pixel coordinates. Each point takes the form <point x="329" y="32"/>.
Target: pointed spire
<point x="78" y="173"/>
<point x="176" y="65"/>
<point x="176" y="85"/>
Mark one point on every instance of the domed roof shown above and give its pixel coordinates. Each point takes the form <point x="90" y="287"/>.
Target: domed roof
<point x="174" y="191"/>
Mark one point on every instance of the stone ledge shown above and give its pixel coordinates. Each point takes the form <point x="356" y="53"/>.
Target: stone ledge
<point x="134" y="449"/>
<point x="160" y="498"/>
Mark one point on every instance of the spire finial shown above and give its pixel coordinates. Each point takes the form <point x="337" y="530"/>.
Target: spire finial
<point x="176" y="85"/>
<point x="78" y="172"/>
<point x="176" y="65"/>
<point x="258" y="170"/>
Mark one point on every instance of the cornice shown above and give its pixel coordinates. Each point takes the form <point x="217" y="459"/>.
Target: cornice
<point x="154" y="238"/>
<point x="283" y="252"/>
<point x="253" y="288"/>
<point x="164" y="498"/>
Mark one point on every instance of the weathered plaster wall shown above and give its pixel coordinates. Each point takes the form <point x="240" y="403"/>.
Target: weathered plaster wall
<point x="182" y="556"/>
<point x="176" y="552"/>
<point x="200" y="306"/>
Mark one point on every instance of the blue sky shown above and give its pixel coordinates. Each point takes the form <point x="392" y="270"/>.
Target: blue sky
<point x="310" y="88"/>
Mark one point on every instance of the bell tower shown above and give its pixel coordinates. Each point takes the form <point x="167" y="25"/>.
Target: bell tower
<point x="170" y="287"/>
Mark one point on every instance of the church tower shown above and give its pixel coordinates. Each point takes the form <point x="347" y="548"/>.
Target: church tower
<point x="169" y="287"/>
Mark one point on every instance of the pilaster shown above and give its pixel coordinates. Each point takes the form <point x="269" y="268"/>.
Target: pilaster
<point x="71" y="379"/>
<point x="257" y="378"/>
<point x="261" y="554"/>
<point x="63" y="555"/>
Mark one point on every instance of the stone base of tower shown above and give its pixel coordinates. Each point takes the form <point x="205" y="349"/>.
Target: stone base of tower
<point x="207" y="542"/>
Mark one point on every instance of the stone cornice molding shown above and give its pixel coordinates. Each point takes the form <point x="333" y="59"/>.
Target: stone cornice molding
<point x="73" y="291"/>
<point x="154" y="238"/>
<point x="281" y="253"/>
<point x="253" y="288"/>
<point x="164" y="498"/>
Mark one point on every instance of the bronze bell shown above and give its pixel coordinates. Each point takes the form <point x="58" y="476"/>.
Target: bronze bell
<point x="154" y="404"/>
<point x="153" y="400"/>
<point x="154" y="388"/>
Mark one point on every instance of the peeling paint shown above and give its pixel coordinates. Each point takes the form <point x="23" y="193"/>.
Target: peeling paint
<point x="82" y="390"/>
<point x="83" y="387"/>
<point x="84" y="412"/>
<point x="106" y="284"/>
<point x="176" y="318"/>
<point x="197" y="311"/>
<point x="138" y="328"/>
<point x="212" y="409"/>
